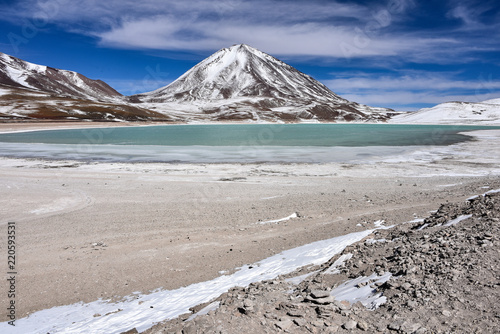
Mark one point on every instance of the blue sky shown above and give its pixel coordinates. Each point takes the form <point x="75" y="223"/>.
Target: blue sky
<point x="402" y="54"/>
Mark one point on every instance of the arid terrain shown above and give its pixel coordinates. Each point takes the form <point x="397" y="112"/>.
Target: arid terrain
<point x="445" y="278"/>
<point x="89" y="230"/>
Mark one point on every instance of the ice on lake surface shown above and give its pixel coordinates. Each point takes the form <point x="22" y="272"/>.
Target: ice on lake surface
<point x="233" y="143"/>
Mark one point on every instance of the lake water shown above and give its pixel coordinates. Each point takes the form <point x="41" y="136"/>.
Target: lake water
<point x="220" y="143"/>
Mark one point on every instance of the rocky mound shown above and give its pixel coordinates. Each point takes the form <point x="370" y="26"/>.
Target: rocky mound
<point x="437" y="276"/>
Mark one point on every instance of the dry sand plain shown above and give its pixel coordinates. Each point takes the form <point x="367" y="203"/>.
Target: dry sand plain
<point x="104" y="230"/>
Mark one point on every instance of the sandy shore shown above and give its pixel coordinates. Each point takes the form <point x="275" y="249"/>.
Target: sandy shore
<point x="49" y="125"/>
<point x="87" y="231"/>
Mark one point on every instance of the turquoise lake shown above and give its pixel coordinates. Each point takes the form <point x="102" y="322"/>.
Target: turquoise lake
<point x="232" y="142"/>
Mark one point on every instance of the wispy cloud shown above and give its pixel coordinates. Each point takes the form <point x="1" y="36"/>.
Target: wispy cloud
<point x="317" y="28"/>
<point x="312" y="39"/>
<point x="474" y="15"/>
<point x="413" y="90"/>
<point x="412" y="101"/>
<point x="422" y="81"/>
<point x="131" y="87"/>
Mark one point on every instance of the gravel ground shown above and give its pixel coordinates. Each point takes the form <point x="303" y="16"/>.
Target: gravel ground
<point x="445" y="279"/>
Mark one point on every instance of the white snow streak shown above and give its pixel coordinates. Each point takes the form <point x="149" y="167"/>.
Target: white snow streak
<point x="135" y="311"/>
<point x="494" y="191"/>
<point x="360" y="290"/>
<point x="299" y="279"/>
<point x="293" y="215"/>
<point x="210" y="307"/>
<point x="457" y="220"/>
<point x="338" y="263"/>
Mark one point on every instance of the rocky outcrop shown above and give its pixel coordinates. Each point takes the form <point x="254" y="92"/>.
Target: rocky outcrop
<point x="441" y="276"/>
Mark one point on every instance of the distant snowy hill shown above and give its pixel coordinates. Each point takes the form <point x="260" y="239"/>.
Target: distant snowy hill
<point x="482" y="113"/>
<point x="241" y="82"/>
<point x="30" y="91"/>
<point x="492" y="101"/>
<point x="19" y="73"/>
<point x="28" y="104"/>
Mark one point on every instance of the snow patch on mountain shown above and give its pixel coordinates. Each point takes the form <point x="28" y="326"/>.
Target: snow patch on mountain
<point x="19" y="70"/>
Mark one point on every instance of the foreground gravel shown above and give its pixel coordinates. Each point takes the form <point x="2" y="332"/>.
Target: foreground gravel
<point x="445" y="279"/>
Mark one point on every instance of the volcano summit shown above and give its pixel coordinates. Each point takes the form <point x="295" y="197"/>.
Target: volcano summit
<point x="243" y="83"/>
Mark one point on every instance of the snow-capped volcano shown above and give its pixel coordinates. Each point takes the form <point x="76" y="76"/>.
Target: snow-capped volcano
<point x="242" y="71"/>
<point x="242" y="82"/>
<point x="15" y="72"/>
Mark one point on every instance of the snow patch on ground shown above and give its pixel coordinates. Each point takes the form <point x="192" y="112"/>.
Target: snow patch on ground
<point x="374" y="241"/>
<point x="299" y="279"/>
<point x="57" y="205"/>
<point x="293" y="215"/>
<point x="210" y="307"/>
<point x="422" y="227"/>
<point x="416" y="220"/>
<point x="457" y="220"/>
<point x="338" y="263"/>
<point x="142" y="311"/>
<point x="271" y="197"/>
<point x="494" y="191"/>
<point x="360" y="290"/>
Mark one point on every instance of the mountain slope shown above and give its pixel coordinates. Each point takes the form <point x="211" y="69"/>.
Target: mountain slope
<point x="22" y="74"/>
<point x="241" y="82"/>
<point x="23" y="104"/>
<point x="482" y="113"/>
<point x="33" y="92"/>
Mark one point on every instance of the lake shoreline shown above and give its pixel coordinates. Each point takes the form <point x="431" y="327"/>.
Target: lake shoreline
<point x="8" y="127"/>
<point x="236" y="143"/>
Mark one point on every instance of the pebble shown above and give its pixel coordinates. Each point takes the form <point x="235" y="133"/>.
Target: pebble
<point x="350" y="325"/>
<point x="284" y="324"/>
<point x="363" y="325"/>
<point x="320" y="294"/>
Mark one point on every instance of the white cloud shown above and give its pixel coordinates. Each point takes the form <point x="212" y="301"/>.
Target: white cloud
<point x="471" y="14"/>
<point x="413" y="89"/>
<point x="412" y="82"/>
<point x="131" y="87"/>
<point x="302" y="27"/>
<point x="408" y="101"/>
<point x="316" y="28"/>
<point x="165" y="32"/>
<point x="129" y="10"/>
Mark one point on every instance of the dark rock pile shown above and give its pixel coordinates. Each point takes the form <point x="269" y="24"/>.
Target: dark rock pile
<point x="445" y="279"/>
